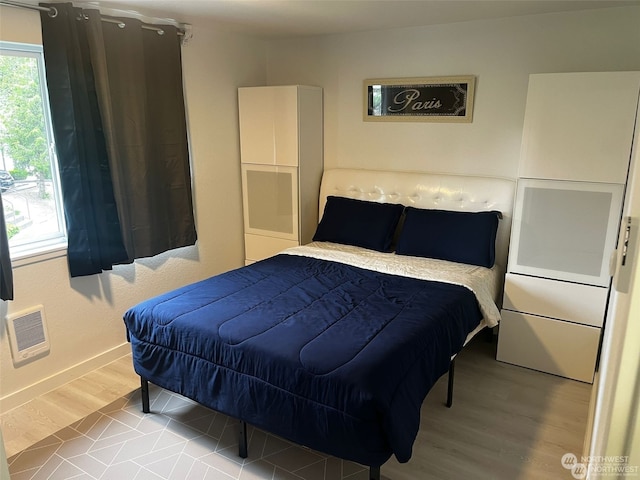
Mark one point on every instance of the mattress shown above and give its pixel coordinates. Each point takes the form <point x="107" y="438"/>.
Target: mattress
<point x="315" y="345"/>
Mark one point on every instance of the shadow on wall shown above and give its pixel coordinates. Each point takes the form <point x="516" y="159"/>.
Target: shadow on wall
<point x="100" y="286"/>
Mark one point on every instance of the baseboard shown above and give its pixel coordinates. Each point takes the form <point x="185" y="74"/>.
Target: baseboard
<point x="20" y="397"/>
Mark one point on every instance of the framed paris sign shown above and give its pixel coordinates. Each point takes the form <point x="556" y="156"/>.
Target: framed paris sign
<point x="423" y="99"/>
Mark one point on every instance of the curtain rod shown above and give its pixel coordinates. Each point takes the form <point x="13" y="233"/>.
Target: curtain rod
<point x="53" y="12"/>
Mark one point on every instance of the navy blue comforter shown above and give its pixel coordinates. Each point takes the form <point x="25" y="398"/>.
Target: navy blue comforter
<point x="327" y="355"/>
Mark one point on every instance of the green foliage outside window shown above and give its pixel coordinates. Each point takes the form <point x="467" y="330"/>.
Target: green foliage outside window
<point x="12" y="230"/>
<point x="19" y="174"/>
<point x="22" y="128"/>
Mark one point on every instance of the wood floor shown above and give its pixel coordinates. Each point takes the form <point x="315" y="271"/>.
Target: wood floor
<point x="506" y="422"/>
<point x="29" y="423"/>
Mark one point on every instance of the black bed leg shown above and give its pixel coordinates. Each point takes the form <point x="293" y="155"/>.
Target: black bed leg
<point x="144" y="391"/>
<point x="242" y="446"/>
<point x="374" y="473"/>
<point x="450" y="386"/>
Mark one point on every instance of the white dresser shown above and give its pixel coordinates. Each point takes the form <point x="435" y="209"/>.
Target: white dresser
<point x="551" y="326"/>
<point x="577" y="141"/>
<point x="281" y="149"/>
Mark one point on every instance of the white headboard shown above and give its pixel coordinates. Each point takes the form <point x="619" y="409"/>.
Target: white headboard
<point x="427" y="190"/>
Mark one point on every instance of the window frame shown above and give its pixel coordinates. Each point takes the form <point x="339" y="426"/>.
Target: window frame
<point x="55" y="244"/>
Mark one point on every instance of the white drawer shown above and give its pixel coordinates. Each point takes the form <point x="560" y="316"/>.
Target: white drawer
<point x="259" y="247"/>
<point x="577" y="303"/>
<point x="552" y="346"/>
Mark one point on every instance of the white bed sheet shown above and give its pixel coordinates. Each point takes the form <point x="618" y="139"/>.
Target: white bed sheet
<point x="483" y="282"/>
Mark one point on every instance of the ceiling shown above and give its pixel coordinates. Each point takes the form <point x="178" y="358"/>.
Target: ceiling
<point x="291" y="18"/>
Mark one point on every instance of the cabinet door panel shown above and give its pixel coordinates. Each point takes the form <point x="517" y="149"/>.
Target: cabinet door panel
<point x="577" y="303"/>
<point x="256" y="126"/>
<point x="565" y="230"/>
<point x="285" y="126"/>
<point x="579" y="126"/>
<point x="552" y="346"/>
<point x="270" y="201"/>
<point x="269" y="125"/>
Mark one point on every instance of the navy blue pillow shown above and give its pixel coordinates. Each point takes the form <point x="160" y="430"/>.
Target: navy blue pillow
<point x="463" y="237"/>
<point x="357" y="222"/>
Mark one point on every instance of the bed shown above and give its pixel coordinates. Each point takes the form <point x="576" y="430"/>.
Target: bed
<point x="335" y="344"/>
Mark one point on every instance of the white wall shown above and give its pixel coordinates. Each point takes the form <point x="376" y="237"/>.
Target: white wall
<point x="500" y="53"/>
<point x="84" y="315"/>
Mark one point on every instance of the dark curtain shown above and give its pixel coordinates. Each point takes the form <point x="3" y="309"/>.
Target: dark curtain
<point x="93" y="229"/>
<point x="139" y="83"/>
<point x="6" y="274"/>
<point x="133" y="77"/>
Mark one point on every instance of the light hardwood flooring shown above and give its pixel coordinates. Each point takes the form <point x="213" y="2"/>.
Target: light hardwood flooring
<point x="506" y="422"/>
<point x="31" y="422"/>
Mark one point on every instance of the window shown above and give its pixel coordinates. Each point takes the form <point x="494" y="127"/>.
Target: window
<point x="29" y="177"/>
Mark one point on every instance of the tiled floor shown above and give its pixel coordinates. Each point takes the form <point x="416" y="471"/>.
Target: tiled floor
<point x="179" y="440"/>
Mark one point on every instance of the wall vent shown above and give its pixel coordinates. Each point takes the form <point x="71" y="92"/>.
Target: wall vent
<point x="28" y="334"/>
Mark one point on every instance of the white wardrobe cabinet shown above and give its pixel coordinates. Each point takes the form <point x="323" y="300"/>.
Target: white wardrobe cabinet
<point x="281" y="150"/>
<point x="576" y="145"/>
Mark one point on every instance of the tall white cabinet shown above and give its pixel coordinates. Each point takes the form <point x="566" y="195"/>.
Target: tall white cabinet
<point x="576" y="147"/>
<point x="281" y="150"/>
